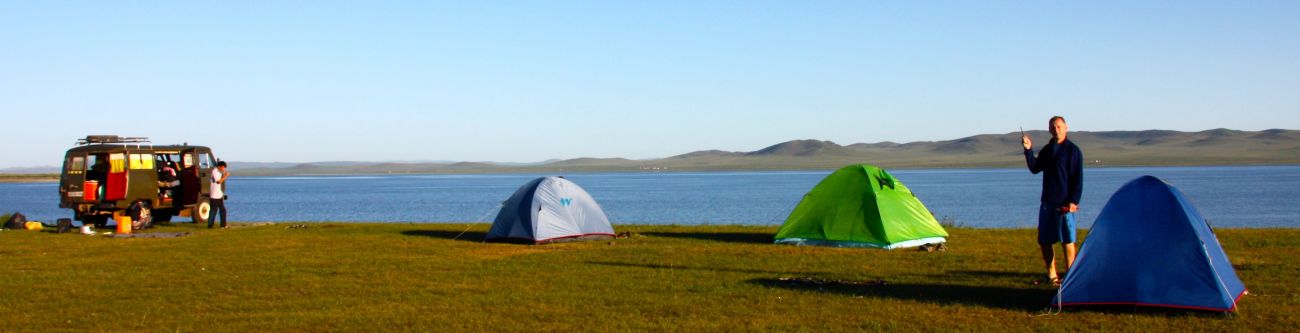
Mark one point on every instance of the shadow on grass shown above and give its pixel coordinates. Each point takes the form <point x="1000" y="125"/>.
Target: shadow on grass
<point x="1018" y="276"/>
<point x="726" y="237"/>
<point x="660" y="266"/>
<point x="1028" y="300"/>
<point x="468" y="236"/>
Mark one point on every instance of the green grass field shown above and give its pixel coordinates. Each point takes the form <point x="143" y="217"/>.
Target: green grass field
<point x="420" y="277"/>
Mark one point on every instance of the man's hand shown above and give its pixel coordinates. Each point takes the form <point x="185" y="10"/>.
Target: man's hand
<point x="1024" y="140"/>
<point x="1070" y="208"/>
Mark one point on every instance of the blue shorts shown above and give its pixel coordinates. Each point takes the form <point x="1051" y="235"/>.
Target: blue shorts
<point x="1053" y="226"/>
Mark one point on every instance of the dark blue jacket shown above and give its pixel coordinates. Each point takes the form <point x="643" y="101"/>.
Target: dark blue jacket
<point x="1062" y="167"/>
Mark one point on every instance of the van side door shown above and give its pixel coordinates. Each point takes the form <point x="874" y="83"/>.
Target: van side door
<point x="191" y="183"/>
<point x="198" y="163"/>
<point x="206" y="163"/>
<point x="143" y="175"/>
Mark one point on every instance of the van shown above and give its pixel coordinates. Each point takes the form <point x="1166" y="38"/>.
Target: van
<point x="105" y="177"/>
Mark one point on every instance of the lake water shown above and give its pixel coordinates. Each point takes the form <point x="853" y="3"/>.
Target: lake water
<point x="1255" y="196"/>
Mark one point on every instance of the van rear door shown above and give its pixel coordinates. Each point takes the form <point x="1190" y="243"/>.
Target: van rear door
<point x="74" y="177"/>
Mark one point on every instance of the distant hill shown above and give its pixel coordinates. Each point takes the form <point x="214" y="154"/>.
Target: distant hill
<point x="31" y="170"/>
<point x="260" y="165"/>
<point x="707" y="153"/>
<point x="1107" y="148"/>
<point x="806" y="148"/>
<point x="591" y="161"/>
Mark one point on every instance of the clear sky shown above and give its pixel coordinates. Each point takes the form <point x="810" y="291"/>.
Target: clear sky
<point x="525" y="81"/>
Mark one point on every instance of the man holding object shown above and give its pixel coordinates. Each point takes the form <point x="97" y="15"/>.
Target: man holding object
<point x="1061" y="163"/>
<point x="217" y="194"/>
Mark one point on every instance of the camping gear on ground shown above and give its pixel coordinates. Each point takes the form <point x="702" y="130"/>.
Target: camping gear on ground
<point x="33" y="226"/>
<point x="550" y="209"/>
<point x="123" y="224"/>
<point x="16" y="221"/>
<point x="85" y="230"/>
<point x="142" y="217"/>
<point x="65" y="225"/>
<point x="142" y="223"/>
<point x="1150" y="247"/>
<point x="861" y="205"/>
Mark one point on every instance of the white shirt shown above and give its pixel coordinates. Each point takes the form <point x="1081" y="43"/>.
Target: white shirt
<point x="216" y="192"/>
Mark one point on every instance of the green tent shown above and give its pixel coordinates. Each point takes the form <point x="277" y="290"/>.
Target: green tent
<point x="861" y="206"/>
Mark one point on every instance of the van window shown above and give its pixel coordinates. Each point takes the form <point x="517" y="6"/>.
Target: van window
<point x="97" y="167"/>
<point x="77" y="163"/>
<point x="205" y="160"/>
<point x="92" y="161"/>
<point x="117" y="162"/>
<point x="187" y="160"/>
<point x="142" y="161"/>
<point x="166" y="159"/>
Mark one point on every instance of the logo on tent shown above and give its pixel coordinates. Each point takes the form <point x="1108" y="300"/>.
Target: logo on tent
<point x="565" y="201"/>
<point x="885" y="182"/>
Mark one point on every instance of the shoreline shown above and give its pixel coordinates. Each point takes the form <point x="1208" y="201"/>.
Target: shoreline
<point x="29" y="178"/>
<point x="50" y="178"/>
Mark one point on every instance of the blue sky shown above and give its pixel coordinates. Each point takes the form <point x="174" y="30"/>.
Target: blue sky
<point x="523" y="81"/>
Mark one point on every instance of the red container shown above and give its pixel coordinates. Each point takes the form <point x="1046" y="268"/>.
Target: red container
<point x="90" y="191"/>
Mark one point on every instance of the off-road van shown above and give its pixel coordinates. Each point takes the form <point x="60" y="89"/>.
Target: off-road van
<point x="107" y="176"/>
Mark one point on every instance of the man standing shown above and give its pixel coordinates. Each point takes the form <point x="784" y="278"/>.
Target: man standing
<point x="217" y="194"/>
<point x="1061" y="163"/>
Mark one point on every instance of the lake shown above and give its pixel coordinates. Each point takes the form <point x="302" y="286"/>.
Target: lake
<point x="1238" y="196"/>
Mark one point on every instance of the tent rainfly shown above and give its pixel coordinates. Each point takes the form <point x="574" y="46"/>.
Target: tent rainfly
<point x="1150" y="247"/>
<point x="550" y="209"/>
<point x="861" y="206"/>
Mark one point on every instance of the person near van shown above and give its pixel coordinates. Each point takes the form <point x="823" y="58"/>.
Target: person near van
<point x="218" y="194"/>
<point x="167" y="178"/>
<point x="98" y="171"/>
<point x="1061" y="163"/>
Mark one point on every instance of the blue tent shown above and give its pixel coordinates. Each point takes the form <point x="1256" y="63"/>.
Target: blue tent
<point x="1150" y="247"/>
<point x="550" y="209"/>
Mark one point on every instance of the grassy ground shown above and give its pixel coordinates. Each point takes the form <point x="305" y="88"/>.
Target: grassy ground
<point x="421" y="277"/>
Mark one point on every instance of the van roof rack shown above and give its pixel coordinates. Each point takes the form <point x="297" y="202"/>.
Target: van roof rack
<point x="103" y="139"/>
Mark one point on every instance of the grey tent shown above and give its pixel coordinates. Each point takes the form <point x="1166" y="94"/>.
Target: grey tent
<point x="550" y="209"/>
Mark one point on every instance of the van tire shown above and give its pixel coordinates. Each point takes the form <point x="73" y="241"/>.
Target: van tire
<point x="201" y="212"/>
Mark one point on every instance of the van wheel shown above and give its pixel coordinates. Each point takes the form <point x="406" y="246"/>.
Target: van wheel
<point x="201" y="211"/>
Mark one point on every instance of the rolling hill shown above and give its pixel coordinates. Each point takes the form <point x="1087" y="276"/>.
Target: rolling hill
<point x="1107" y="148"/>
